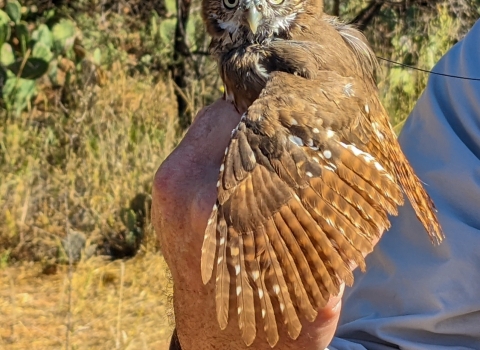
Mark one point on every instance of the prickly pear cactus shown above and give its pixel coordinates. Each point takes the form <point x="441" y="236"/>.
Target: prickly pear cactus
<point x="29" y="52"/>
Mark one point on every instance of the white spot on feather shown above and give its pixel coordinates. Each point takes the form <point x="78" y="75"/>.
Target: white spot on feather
<point x="315" y="130"/>
<point x="368" y="157"/>
<point x="260" y="293"/>
<point x="226" y="151"/>
<point x="352" y="148"/>
<point x="377" y="132"/>
<point x="293" y="121"/>
<point x="276" y="288"/>
<point x="378" y="166"/>
<point x="327" y="154"/>
<point x="239" y="310"/>
<point x="214" y="207"/>
<point x="367" y="109"/>
<point x="239" y="290"/>
<point x="255" y="275"/>
<point x="263" y="313"/>
<point x="309" y="174"/>
<point x="220" y="259"/>
<point x="296" y="140"/>
<point x="282" y="307"/>
<point x="348" y="90"/>
<point x="315" y="159"/>
<point x="237" y="270"/>
<point x="222" y="167"/>
<point x="222" y="240"/>
<point x="330" y="221"/>
<point x="330" y="133"/>
<point x="218" y="183"/>
<point x="328" y="167"/>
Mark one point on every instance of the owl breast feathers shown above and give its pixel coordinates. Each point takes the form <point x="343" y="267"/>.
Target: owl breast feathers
<point x="312" y="170"/>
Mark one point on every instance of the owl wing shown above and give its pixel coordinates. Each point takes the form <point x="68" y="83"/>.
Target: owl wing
<point x="304" y="188"/>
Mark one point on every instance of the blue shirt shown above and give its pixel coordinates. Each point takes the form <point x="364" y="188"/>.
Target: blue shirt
<point x="415" y="295"/>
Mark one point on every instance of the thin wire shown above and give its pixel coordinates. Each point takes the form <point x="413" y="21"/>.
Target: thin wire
<point x="426" y="70"/>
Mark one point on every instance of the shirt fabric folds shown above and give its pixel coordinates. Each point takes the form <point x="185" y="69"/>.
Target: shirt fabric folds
<point x="415" y="295"/>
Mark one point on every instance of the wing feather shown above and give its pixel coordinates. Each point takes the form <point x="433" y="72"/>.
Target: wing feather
<point x="222" y="293"/>
<point x="276" y="285"/>
<point x="209" y="246"/>
<point x="255" y="271"/>
<point x="316" y="298"/>
<point x="243" y="290"/>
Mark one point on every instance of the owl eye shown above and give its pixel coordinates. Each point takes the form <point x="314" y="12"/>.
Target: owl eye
<point x="231" y="3"/>
<point x="276" y="2"/>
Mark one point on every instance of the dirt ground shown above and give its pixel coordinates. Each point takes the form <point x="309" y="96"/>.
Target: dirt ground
<point x="102" y="304"/>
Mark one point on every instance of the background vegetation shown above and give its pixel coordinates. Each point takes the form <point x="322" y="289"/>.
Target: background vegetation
<point x="94" y="94"/>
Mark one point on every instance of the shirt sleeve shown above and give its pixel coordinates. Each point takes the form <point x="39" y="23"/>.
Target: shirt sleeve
<point x="415" y="295"/>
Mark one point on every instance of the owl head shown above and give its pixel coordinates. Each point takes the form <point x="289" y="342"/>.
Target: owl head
<point x="237" y="21"/>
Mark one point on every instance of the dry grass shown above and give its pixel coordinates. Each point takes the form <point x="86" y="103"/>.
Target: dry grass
<point x="108" y="311"/>
<point x="87" y="168"/>
<point x="85" y="171"/>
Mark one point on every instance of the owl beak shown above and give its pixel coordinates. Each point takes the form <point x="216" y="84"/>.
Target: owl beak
<point x="253" y="18"/>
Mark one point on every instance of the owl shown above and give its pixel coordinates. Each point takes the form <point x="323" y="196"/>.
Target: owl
<point x="311" y="171"/>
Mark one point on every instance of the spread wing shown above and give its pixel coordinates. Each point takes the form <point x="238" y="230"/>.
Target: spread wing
<point x="305" y="186"/>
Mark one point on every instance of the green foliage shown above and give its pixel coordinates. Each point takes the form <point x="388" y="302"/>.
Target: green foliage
<point x="4" y="259"/>
<point x="5" y="30"/>
<point x="29" y="52"/>
<point x="85" y="168"/>
<point x="417" y="34"/>
<point x="14" y="11"/>
<point x="401" y="87"/>
<point x="147" y="47"/>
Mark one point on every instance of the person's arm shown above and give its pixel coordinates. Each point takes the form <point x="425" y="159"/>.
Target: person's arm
<point x="183" y="195"/>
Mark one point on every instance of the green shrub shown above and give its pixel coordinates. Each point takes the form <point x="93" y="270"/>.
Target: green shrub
<point x="34" y="54"/>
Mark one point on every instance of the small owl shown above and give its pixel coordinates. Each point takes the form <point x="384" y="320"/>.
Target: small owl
<point x="311" y="171"/>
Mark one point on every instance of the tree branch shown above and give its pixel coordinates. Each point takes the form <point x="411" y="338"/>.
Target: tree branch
<point x="365" y="17"/>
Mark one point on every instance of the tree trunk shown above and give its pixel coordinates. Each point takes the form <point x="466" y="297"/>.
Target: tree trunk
<point x="180" y="56"/>
<point x="336" y="8"/>
<point x="365" y="17"/>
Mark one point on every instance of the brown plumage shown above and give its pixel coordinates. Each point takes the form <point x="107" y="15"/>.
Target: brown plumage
<point x="312" y="169"/>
